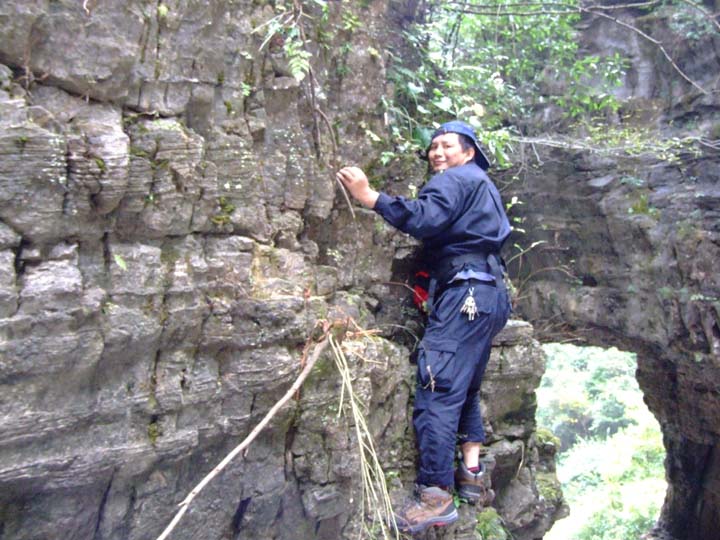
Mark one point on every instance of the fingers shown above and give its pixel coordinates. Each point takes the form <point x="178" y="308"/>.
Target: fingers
<point x="341" y="175"/>
<point x="354" y="179"/>
<point x="347" y="174"/>
<point x="356" y="182"/>
<point x="350" y="175"/>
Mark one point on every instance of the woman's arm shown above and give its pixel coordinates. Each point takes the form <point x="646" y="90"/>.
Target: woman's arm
<point x="438" y="203"/>
<point x="356" y="182"/>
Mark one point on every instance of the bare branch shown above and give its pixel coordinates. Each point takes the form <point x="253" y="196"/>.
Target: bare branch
<point x="619" y="150"/>
<point x="652" y="40"/>
<point x="709" y="16"/>
<point x="184" y="505"/>
<point x="651" y="3"/>
<point x="715" y="145"/>
<point x="496" y="13"/>
<point x="568" y="6"/>
<point x="569" y="9"/>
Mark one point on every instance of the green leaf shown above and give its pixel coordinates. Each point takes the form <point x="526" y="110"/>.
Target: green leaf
<point x="372" y="136"/>
<point x="422" y="136"/>
<point x="444" y="104"/>
<point x="415" y="89"/>
<point x="120" y="262"/>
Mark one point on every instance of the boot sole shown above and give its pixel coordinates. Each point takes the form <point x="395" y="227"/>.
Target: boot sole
<point x="439" y="521"/>
<point x="473" y="497"/>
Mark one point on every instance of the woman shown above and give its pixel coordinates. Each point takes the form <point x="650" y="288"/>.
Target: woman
<point x="461" y="220"/>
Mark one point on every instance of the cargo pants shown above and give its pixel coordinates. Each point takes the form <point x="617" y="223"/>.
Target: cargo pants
<point x="451" y="361"/>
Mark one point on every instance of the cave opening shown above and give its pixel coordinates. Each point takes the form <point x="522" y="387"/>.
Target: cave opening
<point x="610" y="452"/>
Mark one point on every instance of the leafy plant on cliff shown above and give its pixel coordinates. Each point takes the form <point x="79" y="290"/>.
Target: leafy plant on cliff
<point x="496" y="63"/>
<point x="287" y="30"/>
<point x="489" y="67"/>
<point x="490" y="525"/>
<point x="692" y="20"/>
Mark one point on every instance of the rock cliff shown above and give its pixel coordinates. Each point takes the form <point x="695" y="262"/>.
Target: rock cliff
<point x="632" y="244"/>
<point x="170" y="232"/>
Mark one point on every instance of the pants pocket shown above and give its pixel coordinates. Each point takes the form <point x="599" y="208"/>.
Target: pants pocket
<point x="485" y="296"/>
<point x="436" y="366"/>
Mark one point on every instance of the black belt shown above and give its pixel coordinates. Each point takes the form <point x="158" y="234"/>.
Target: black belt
<point x="443" y="271"/>
<point x="446" y="268"/>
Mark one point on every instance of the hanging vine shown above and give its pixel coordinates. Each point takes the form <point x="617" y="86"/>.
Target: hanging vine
<point x="289" y="26"/>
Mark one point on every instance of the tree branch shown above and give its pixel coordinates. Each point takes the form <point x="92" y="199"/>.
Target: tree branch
<point x="652" y="40"/>
<point x="569" y="6"/>
<point x="596" y="9"/>
<point x="709" y="16"/>
<point x="185" y="504"/>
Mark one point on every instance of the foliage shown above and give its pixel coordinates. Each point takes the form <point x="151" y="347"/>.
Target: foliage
<point x="120" y="262"/>
<point x="226" y="208"/>
<point x="491" y="68"/>
<point x="286" y="28"/>
<point x="606" y="397"/>
<point x="638" y="141"/>
<point x="625" y="522"/>
<point x="549" y="488"/>
<point x="608" y="415"/>
<point x="298" y="56"/>
<point x="686" y="19"/>
<point x="490" y="525"/>
<point x="641" y="206"/>
<point x="612" y="474"/>
<point x="624" y="499"/>
<point x="571" y="420"/>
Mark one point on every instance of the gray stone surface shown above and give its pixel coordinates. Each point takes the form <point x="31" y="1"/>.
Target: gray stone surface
<point x="170" y="232"/>
<point x="639" y="235"/>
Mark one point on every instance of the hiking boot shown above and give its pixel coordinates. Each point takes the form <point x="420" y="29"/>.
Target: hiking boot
<point x="474" y="487"/>
<point x="431" y="506"/>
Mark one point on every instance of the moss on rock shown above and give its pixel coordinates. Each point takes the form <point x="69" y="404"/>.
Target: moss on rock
<point x="549" y="487"/>
<point x="490" y="525"/>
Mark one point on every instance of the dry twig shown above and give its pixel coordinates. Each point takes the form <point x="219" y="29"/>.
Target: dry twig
<point x="185" y="504"/>
<point x="375" y="496"/>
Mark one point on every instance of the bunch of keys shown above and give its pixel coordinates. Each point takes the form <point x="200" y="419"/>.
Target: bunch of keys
<point x="469" y="307"/>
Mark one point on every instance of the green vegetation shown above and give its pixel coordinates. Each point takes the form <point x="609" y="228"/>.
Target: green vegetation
<point x="120" y="262"/>
<point x="690" y="20"/>
<point x="286" y="30"/>
<point x="549" y="488"/>
<point x="605" y="394"/>
<point x="490" y="525"/>
<point x="100" y="162"/>
<point x="491" y="68"/>
<point x="642" y="206"/>
<point x="298" y="56"/>
<point x="226" y="209"/>
<point x="21" y="141"/>
<point x="154" y="431"/>
<point x="498" y="64"/>
<point x="611" y="460"/>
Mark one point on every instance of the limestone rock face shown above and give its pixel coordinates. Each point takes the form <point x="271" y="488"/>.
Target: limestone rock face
<point x="170" y="233"/>
<point x="632" y="244"/>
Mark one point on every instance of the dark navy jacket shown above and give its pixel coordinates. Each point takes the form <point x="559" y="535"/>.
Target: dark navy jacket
<point x="457" y="212"/>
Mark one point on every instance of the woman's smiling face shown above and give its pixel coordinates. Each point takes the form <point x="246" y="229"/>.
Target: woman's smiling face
<point x="446" y="151"/>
